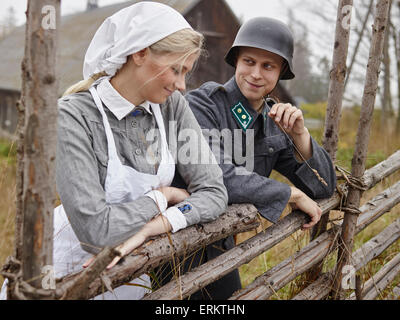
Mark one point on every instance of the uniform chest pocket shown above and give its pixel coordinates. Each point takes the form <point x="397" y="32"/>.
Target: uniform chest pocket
<point x="270" y="146"/>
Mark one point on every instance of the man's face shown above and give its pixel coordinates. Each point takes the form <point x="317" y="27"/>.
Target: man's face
<point x="257" y="72"/>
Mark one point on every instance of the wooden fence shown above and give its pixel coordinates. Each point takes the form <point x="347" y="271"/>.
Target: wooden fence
<point x="239" y="218"/>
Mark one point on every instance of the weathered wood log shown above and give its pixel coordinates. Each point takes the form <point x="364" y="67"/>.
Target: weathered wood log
<point x="337" y="78"/>
<point x="395" y="293"/>
<point x="346" y="238"/>
<point x="77" y="290"/>
<point x="37" y="164"/>
<point x="246" y="251"/>
<point x="258" y="289"/>
<point x="379" y="205"/>
<point x="320" y="288"/>
<point x="382" y="170"/>
<point x="159" y="251"/>
<point x="379" y="281"/>
<point x="238" y="218"/>
<point x="334" y="105"/>
<point x="277" y="277"/>
<point x="228" y="261"/>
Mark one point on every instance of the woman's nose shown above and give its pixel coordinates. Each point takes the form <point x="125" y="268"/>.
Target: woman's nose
<point x="180" y="83"/>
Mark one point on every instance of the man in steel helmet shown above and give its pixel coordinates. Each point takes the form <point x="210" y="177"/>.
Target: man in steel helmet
<point x="261" y="55"/>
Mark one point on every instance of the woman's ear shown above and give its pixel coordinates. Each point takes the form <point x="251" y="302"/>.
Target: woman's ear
<point x="140" y="57"/>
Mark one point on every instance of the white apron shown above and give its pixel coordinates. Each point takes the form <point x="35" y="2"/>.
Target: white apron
<point x="122" y="184"/>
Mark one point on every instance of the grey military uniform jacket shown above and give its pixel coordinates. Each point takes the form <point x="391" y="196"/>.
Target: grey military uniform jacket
<point x="255" y="147"/>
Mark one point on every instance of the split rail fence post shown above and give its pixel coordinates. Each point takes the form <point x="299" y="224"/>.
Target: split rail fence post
<point x="334" y="106"/>
<point x="37" y="142"/>
<point x="346" y="239"/>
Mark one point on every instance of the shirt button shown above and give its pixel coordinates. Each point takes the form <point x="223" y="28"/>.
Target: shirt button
<point x="271" y="150"/>
<point x="134" y="124"/>
<point x="138" y="151"/>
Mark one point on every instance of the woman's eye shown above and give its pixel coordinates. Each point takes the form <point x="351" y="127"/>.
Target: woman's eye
<point x="175" y="70"/>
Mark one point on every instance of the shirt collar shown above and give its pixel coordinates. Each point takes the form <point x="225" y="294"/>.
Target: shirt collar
<point x="116" y="103"/>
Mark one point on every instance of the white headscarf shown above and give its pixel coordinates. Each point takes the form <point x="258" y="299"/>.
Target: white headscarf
<point x="128" y="31"/>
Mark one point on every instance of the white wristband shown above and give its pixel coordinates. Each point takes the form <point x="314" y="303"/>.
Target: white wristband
<point x="175" y="218"/>
<point x="159" y="198"/>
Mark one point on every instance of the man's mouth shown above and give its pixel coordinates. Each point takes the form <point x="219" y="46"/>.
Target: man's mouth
<point x="253" y="85"/>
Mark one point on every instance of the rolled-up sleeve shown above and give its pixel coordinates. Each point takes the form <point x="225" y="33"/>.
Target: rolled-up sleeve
<point x="95" y="222"/>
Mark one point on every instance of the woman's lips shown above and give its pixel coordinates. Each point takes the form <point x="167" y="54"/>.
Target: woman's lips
<point x="169" y="91"/>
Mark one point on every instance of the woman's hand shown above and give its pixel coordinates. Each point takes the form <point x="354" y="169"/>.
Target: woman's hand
<point x="156" y="226"/>
<point x="289" y="117"/>
<point x="174" y="195"/>
<point x="299" y="200"/>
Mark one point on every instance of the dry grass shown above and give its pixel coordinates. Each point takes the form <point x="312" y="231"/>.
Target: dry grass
<point x="7" y="203"/>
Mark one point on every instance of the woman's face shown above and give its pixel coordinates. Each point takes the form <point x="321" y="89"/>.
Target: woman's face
<point x="257" y="72"/>
<point x="162" y="74"/>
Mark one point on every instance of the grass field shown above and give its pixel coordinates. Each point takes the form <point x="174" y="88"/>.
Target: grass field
<point x="382" y="144"/>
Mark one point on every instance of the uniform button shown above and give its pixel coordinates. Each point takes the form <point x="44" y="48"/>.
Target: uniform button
<point x="134" y="123"/>
<point x="271" y="150"/>
<point x="138" y="151"/>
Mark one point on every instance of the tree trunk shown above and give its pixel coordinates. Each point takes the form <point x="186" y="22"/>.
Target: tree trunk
<point x="337" y="76"/>
<point x="36" y="167"/>
<point x="334" y="107"/>
<point x="360" y="37"/>
<point x="360" y="153"/>
<point x="387" y="107"/>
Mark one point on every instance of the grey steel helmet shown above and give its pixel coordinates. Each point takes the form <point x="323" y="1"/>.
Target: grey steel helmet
<point x="267" y="34"/>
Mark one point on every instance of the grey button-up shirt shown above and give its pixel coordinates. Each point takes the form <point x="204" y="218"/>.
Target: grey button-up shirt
<point x="82" y="167"/>
<point x="223" y="107"/>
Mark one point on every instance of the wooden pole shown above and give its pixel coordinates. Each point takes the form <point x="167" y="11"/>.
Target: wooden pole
<point x="36" y="196"/>
<point x="334" y="106"/>
<point x="360" y="153"/>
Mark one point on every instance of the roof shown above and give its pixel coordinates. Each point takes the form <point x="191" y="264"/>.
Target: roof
<point x="76" y="32"/>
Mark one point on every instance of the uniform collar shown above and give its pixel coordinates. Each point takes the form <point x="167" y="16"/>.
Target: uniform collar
<point x="240" y="108"/>
<point x="117" y="104"/>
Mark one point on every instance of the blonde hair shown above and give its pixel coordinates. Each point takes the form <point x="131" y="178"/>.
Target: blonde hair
<point x="185" y="41"/>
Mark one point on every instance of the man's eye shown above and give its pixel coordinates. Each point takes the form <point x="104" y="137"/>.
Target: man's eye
<point x="248" y="61"/>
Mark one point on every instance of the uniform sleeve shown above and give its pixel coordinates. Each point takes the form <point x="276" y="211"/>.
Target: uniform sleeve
<point x="302" y="175"/>
<point x="269" y="196"/>
<point x="198" y="168"/>
<point x="95" y="222"/>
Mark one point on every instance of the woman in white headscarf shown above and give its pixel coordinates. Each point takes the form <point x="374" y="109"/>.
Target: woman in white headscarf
<point x="114" y="162"/>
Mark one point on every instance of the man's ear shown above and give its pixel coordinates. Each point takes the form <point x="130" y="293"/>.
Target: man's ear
<point x="140" y="57"/>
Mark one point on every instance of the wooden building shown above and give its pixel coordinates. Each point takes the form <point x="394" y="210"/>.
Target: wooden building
<point x="213" y="18"/>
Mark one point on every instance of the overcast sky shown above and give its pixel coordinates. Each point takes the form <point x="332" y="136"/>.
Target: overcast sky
<point x="244" y="9"/>
<point x="307" y="12"/>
